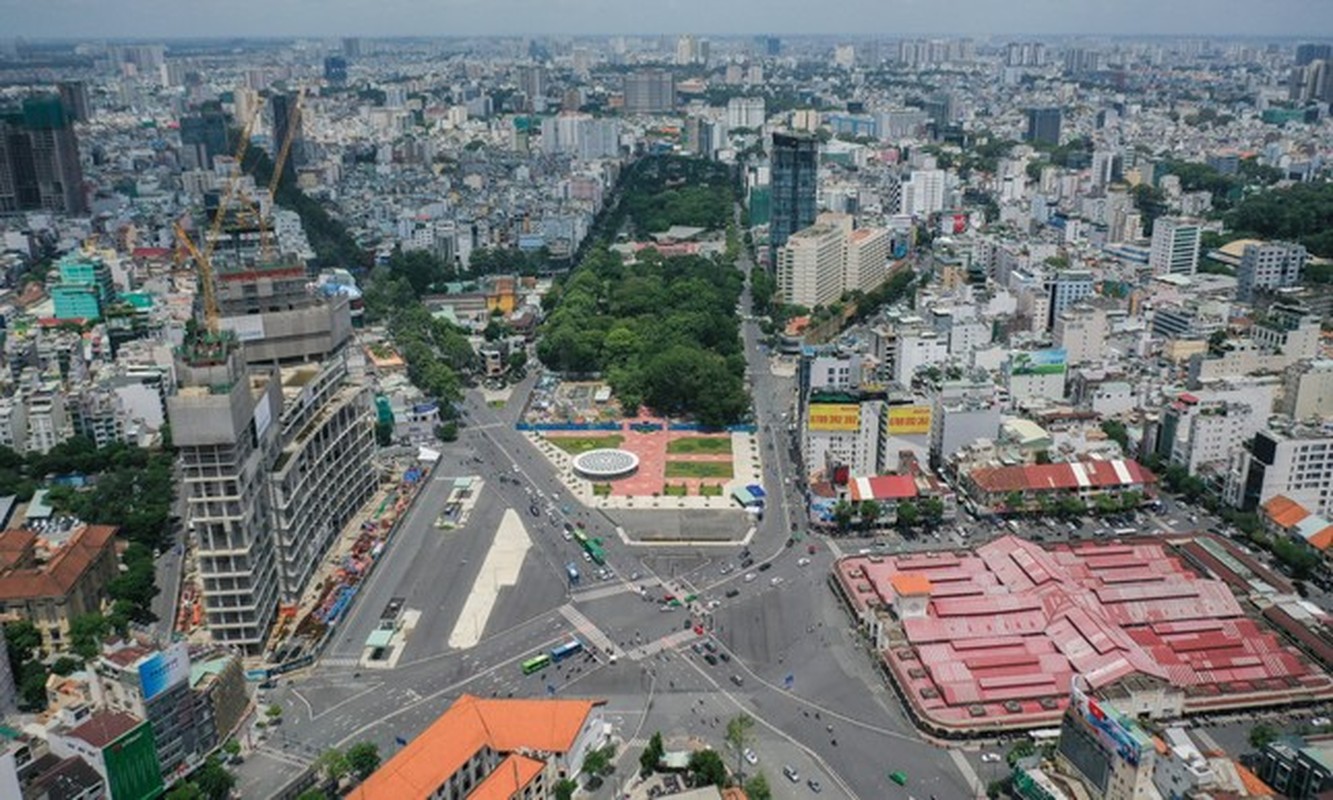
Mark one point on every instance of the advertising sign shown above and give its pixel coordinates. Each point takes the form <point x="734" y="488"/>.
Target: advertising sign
<point x="1115" y="732"/>
<point x="163" y="670"/>
<point x="834" y="417"/>
<point x="1038" y="362"/>
<point x="132" y="769"/>
<point x="909" y="420"/>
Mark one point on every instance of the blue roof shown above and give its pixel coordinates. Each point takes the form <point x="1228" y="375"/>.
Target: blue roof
<point x="756" y="490"/>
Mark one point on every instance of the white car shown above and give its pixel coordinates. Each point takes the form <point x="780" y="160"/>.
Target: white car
<point x="801" y="562"/>
<point x="990" y="758"/>
<point x="775" y="580"/>
<point x="749" y="576"/>
<point x="750" y="757"/>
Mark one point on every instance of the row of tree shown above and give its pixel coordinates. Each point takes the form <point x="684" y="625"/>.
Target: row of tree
<point x="663" y="332"/>
<point x="1299" y="213"/>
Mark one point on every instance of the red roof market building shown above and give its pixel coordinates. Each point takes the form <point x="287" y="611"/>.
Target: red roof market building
<point x="984" y="641"/>
<point x="1016" y="488"/>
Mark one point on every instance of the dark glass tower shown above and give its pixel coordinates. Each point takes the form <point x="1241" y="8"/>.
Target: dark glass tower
<point x="795" y="178"/>
<point x="1043" y="126"/>
<point x="287" y="116"/>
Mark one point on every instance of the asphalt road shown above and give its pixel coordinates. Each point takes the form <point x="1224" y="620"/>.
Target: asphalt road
<point x="784" y="621"/>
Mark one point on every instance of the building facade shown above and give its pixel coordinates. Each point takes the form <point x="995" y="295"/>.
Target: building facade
<point x="795" y="180"/>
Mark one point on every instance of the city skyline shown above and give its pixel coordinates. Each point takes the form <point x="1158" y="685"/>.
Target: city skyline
<point x="60" y="19"/>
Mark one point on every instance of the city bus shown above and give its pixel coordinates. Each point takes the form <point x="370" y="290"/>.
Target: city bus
<point x="595" y="551"/>
<point x="566" y="650"/>
<point x="536" y="664"/>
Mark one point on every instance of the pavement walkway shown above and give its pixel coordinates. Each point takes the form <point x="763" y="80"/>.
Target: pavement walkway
<point x="503" y="563"/>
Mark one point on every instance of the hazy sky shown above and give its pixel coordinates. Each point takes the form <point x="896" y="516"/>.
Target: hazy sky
<point x="169" y="18"/>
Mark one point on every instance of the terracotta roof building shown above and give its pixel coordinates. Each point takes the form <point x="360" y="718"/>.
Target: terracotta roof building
<point x="1010" y="489"/>
<point x="990" y="640"/>
<point x="49" y="585"/>
<point x="483" y="749"/>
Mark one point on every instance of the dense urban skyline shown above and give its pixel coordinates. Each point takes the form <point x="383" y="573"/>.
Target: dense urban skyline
<point x="162" y="18"/>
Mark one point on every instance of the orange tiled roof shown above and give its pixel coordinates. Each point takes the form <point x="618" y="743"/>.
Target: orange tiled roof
<point x="1254" y="787"/>
<point x="57" y="576"/>
<point x="509" y="778"/>
<point x="1322" y="538"/>
<point x="906" y="583"/>
<point x="420" y="768"/>
<point x="1284" y="512"/>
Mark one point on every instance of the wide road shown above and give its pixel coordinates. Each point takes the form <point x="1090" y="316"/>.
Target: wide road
<point x="794" y="663"/>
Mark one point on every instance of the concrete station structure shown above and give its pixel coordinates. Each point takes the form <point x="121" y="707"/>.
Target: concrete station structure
<point x="986" y="641"/>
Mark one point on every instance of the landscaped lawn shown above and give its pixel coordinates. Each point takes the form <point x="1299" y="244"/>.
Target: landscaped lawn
<point x="675" y="490"/>
<point x="700" y="444"/>
<point x="574" y="445"/>
<point x="698" y="469"/>
<point x="601" y="489"/>
<point x="710" y="490"/>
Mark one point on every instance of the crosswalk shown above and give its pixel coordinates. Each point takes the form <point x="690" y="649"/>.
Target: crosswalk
<point x="285" y="756"/>
<point x="340" y="661"/>
<point x="599" y="593"/>
<point x="668" y="642"/>
<point x="591" y="633"/>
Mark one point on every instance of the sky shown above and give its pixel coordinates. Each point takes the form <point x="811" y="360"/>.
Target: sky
<point x="285" y="18"/>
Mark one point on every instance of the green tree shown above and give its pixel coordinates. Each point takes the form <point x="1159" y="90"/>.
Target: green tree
<point x="273" y="711"/>
<point x="707" y="768"/>
<point x="908" y="514"/>
<point x="86" y="633"/>
<point x="843" y="513"/>
<point x="232" y="747"/>
<point x="363" y="758"/>
<point x="869" y="512"/>
<point x="1262" y="734"/>
<point x="312" y="794"/>
<point x="213" y="780"/>
<point x="932" y="510"/>
<point x="757" y="788"/>
<point x="738" y="735"/>
<point x="1116" y="431"/>
<point x="332" y="763"/>
<point x="185" y="791"/>
<point x="1022" y="750"/>
<point x="564" y="789"/>
<point x="600" y="761"/>
<point x="651" y="755"/>
<point x="66" y="666"/>
<point x="23" y="640"/>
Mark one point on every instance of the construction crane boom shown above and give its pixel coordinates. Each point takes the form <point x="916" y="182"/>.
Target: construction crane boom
<point x="284" y="151"/>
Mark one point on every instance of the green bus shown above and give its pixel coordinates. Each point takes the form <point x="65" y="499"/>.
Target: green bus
<point x="536" y="664"/>
<point x="898" y="777"/>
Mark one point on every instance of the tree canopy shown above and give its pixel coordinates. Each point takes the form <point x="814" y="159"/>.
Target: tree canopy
<point x="1300" y="213"/>
<point x="662" y="331"/>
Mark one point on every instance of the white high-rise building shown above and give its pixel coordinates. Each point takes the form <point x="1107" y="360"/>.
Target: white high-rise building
<point x="1175" y="246"/>
<point x="1269" y="265"/>
<point x="923" y="193"/>
<point x="810" y="266"/>
<point x="745" y="112"/>
<point x="867" y="259"/>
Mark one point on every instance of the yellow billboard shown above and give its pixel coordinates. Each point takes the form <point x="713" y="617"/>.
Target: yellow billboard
<point x="834" y="417"/>
<point x="909" y="420"/>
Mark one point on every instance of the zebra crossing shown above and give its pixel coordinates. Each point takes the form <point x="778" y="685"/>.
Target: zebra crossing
<point x="668" y="642"/>
<point x="591" y="633"/>
<point x="340" y="661"/>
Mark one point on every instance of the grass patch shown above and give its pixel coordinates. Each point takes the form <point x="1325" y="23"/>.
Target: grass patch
<point x="496" y="403"/>
<point x="574" y="445"/>
<point x="698" y="469"/>
<point x="675" y="490"/>
<point x="601" y="489"/>
<point x="710" y="490"/>
<point x="701" y="445"/>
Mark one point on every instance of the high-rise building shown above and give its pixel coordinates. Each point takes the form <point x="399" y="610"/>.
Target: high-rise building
<point x="74" y="95"/>
<point x="1043" y="126"/>
<point x="745" y="112"/>
<point x="85" y="290"/>
<point x="287" y="122"/>
<point x="335" y="70"/>
<point x="1295" y="460"/>
<point x="795" y="175"/>
<point x="809" y="266"/>
<point x="352" y="47"/>
<point x="203" y="138"/>
<point x="1269" y="265"/>
<point x="1066" y="288"/>
<point x="923" y="193"/>
<point x="532" y="83"/>
<point x="1307" y="53"/>
<point x="1175" y="246"/>
<point x="39" y="159"/>
<point x="687" y="50"/>
<point x="222" y="425"/>
<point x="650" y="91"/>
<point x="1105" y="750"/>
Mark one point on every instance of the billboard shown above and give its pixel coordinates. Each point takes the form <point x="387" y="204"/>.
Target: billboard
<point x="1116" y="733"/>
<point x="909" y="420"/>
<point x="132" y="770"/>
<point x="1038" y="362"/>
<point x="834" y="417"/>
<point x="163" y="670"/>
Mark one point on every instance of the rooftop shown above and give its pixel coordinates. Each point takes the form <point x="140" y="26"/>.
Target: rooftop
<point x="471" y="723"/>
<point x="24" y="576"/>
<point x="105" y="727"/>
<point x="1008" y="626"/>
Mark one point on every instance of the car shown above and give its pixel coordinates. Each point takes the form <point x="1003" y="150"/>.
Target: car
<point x="587" y="556"/>
<point x="710" y="647"/>
<point x="749" y="576"/>
<point x="775" y="580"/>
<point x="568" y="536"/>
<point x="697" y="648"/>
<point x="791" y="773"/>
<point x="738" y="680"/>
<point x="1320" y="722"/>
<point x="723" y="655"/>
<point x="711" y="659"/>
<point x="726" y="569"/>
<point x="811" y="549"/>
<point x="569" y="527"/>
<point x="766" y="566"/>
<point x="666" y="608"/>
<point x="750" y="756"/>
<point x="814" y="786"/>
<point x="699" y="630"/>
<point x="990" y="758"/>
<point x="747" y="563"/>
<point x="733" y="593"/>
<point x="801" y="562"/>
<point x="534" y="511"/>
